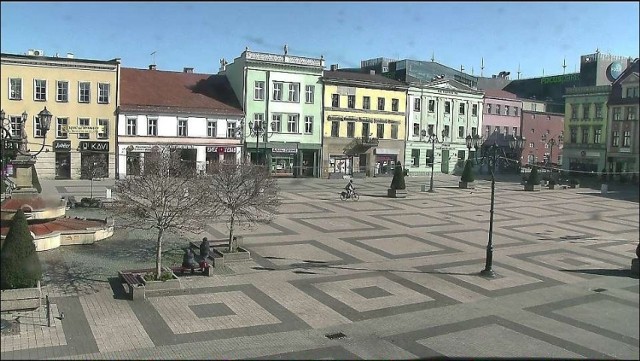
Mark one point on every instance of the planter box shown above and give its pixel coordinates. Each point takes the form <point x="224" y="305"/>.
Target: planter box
<point x="467" y="185"/>
<point x="222" y="252"/>
<point x="396" y="193"/>
<point x="531" y="187"/>
<point x="155" y="286"/>
<point x="21" y="299"/>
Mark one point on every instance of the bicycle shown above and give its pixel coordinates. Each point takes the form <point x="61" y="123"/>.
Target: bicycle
<point x="344" y="195"/>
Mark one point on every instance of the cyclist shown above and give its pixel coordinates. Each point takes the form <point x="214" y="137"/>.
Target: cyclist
<point x="350" y="188"/>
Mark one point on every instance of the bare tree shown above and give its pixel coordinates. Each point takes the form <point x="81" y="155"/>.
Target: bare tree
<point x="246" y="195"/>
<point x="168" y="196"/>
<point x="94" y="166"/>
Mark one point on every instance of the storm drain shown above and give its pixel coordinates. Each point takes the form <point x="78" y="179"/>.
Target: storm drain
<point x="599" y="290"/>
<point x="335" y="336"/>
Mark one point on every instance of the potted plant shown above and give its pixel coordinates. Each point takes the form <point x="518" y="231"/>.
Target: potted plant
<point x="467" y="179"/>
<point x="398" y="186"/>
<point x="533" y="181"/>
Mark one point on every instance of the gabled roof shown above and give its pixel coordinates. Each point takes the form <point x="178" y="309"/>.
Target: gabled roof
<point x="155" y="90"/>
<point x="615" y="97"/>
<point x="497" y="93"/>
<point x="361" y="78"/>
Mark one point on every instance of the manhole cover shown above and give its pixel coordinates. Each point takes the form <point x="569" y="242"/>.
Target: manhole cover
<point x="599" y="290"/>
<point x="335" y="336"/>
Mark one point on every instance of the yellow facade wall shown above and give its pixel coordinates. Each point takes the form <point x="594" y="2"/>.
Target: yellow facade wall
<point x="73" y="71"/>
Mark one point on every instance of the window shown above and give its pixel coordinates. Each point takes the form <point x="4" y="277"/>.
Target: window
<point x="40" y="89"/>
<point x="626" y="138"/>
<point x="277" y="91"/>
<point x="365" y="130"/>
<point x="487" y="129"/>
<point x="461" y="132"/>
<point x="83" y="122"/>
<point x="351" y="101"/>
<point x="294" y="92"/>
<point x="415" y="156"/>
<point x="585" y="135"/>
<point x="36" y="127"/>
<point x="488" y="108"/>
<point x="258" y="90"/>
<point x="432" y="106"/>
<point x="531" y="145"/>
<point x="515" y="111"/>
<point x="15" y="89"/>
<point x="182" y="127"/>
<point x="474" y="131"/>
<point x="351" y="129"/>
<point x="447" y="107"/>
<point x="380" y="103"/>
<point x="366" y="103"/>
<point x="574" y="111"/>
<point x="232" y="130"/>
<point x="61" y="128"/>
<point x="506" y="110"/>
<point x="276" y="123"/>
<point x="498" y="109"/>
<point x="258" y="120"/>
<point x="131" y="126"/>
<point x="474" y="110"/>
<point x="506" y="130"/>
<point x="103" y="93"/>
<point x="395" y="105"/>
<point x="615" y="138"/>
<point x="394" y="131"/>
<point x="16" y="126"/>
<point x="430" y="129"/>
<point x="84" y="92"/>
<point x="62" y="92"/>
<point x="212" y="128"/>
<point x="429" y="158"/>
<point x="292" y="123"/>
<point x="631" y="113"/>
<point x="335" y="100"/>
<point x="152" y="126"/>
<point x="597" y="135"/>
<point x="598" y="111"/>
<point x="616" y="113"/>
<point x="104" y="124"/>
<point x="308" y="124"/>
<point x="380" y="131"/>
<point x="585" y="111"/>
<point x="416" y="129"/>
<point x="515" y="130"/>
<point x="309" y="93"/>
<point x="335" y="128"/>
<point x="461" y="109"/>
<point x="446" y="131"/>
<point x="573" y="135"/>
<point x="416" y="104"/>
<point x="496" y="129"/>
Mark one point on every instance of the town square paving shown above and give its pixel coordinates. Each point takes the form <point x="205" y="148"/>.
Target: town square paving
<point x="389" y="278"/>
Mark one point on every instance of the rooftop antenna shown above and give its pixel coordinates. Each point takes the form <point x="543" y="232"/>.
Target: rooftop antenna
<point x="564" y="65"/>
<point x="153" y="57"/>
<point x="481" y="66"/>
<point x="518" y="70"/>
<point x="472" y="70"/>
<point x="461" y="68"/>
<point x="433" y="56"/>
<point x="542" y="71"/>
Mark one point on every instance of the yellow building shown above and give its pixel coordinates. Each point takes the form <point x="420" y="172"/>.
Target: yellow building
<point x="364" y="123"/>
<point x="82" y="96"/>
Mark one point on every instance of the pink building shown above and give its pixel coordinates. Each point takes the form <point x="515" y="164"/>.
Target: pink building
<point x="544" y="136"/>
<point x="501" y="113"/>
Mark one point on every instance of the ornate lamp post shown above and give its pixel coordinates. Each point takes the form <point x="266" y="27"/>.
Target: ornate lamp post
<point x="21" y="141"/>
<point x="257" y="129"/>
<point x="475" y="142"/>
<point x="491" y="155"/>
<point x="433" y="139"/>
<point x="517" y="143"/>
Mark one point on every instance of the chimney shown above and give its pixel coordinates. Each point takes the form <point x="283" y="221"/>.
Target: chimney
<point x="334" y="67"/>
<point x="152" y="67"/>
<point x="188" y="70"/>
<point x="372" y="72"/>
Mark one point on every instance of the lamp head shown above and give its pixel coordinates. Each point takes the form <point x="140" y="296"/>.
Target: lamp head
<point x="45" y="120"/>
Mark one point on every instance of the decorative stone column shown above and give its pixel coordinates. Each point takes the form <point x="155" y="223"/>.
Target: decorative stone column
<point x="24" y="176"/>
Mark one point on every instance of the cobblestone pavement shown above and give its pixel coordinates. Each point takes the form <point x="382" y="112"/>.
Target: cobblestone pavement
<point x="378" y="278"/>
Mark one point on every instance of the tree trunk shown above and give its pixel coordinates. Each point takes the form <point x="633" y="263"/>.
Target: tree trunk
<point x="232" y="244"/>
<point x="159" y="253"/>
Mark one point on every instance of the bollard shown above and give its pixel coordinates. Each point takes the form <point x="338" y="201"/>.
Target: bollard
<point x="48" y="311"/>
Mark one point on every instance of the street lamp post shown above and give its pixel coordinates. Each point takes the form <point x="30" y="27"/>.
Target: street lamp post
<point x="433" y="139"/>
<point x="257" y="129"/>
<point x="491" y="156"/>
<point x="45" y="122"/>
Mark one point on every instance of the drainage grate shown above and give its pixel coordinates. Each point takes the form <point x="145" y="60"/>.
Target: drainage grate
<point x="599" y="290"/>
<point x="335" y="336"/>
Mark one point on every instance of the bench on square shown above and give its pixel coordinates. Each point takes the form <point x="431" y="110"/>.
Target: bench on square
<point x="133" y="279"/>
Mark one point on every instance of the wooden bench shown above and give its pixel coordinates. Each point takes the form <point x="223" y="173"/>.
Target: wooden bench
<point x="133" y="280"/>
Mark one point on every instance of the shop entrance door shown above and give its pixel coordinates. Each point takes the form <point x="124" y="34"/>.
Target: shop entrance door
<point x="445" y="161"/>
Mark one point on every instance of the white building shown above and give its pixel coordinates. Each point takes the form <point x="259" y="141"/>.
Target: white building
<point x="450" y="111"/>
<point x="195" y="113"/>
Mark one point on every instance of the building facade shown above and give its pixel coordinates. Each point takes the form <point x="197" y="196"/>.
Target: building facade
<point x="283" y="95"/>
<point x="364" y="123"/>
<point x="195" y="114"/>
<point x="501" y="113"/>
<point x="450" y="111"/>
<point x="82" y="95"/>
<point x="622" y="144"/>
<point x="585" y="128"/>
<point x="544" y="139"/>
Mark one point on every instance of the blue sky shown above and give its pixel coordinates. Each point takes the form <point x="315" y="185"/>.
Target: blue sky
<point x="535" y="35"/>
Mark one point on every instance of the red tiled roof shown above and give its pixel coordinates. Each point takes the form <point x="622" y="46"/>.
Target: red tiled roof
<point x="497" y="93"/>
<point x="165" y="90"/>
<point x="60" y="224"/>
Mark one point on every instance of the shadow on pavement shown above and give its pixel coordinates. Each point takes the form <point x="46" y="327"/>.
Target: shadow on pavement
<point x="119" y="293"/>
<point x="605" y="272"/>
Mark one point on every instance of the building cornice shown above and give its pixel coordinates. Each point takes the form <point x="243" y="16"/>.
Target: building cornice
<point x="26" y="60"/>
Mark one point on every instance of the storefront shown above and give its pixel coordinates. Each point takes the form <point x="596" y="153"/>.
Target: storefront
<point x="284" y="158"/>
<point x="385" y="161"/>
<point x="94" y="160"/>
<point x="218" y="154"/>
<point x="62" y="150"/>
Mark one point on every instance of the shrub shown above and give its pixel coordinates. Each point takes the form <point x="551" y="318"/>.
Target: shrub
<point x="467" y="173"/>
<point x="90" y="202"/>
<point x="19" y="263"/>
<point x="398" y="178"/>
<point x="164" y="276"/>
<point x="534" y="178"/>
